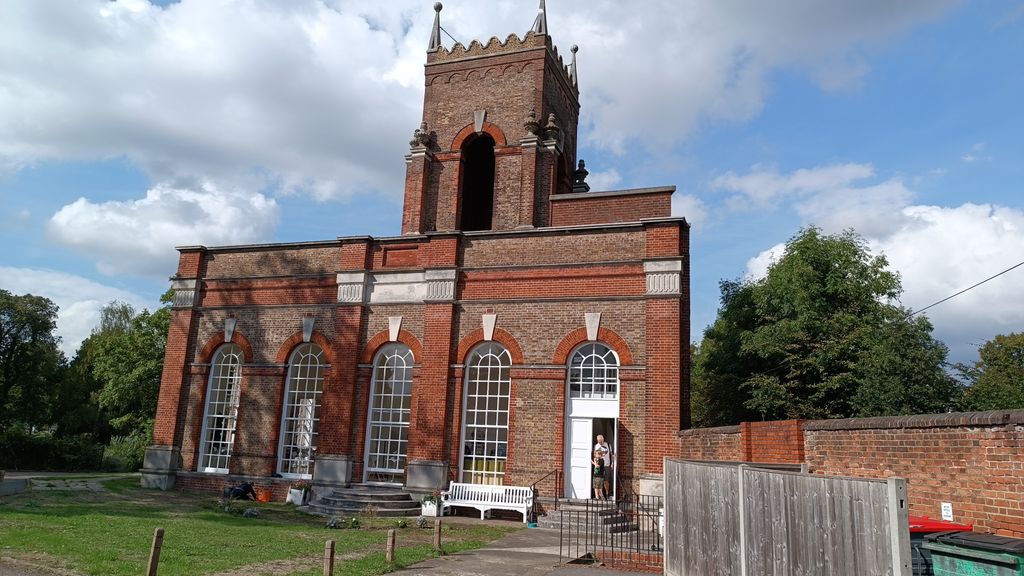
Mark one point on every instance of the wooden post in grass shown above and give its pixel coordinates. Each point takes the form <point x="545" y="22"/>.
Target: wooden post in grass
<point x="390" y="554"/>
<point x="154" y="552"/>
<point x="437" y="535"/>
<point x="329" y="558"/>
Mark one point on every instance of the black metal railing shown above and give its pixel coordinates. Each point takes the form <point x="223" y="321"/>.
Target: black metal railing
<point x="555" y="475"/>
<point x="626" y="533"/>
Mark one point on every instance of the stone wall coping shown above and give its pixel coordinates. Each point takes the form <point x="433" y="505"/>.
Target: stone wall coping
<point x="263" y="246"/>
<point x="951" y="420"/>
<point x="613" y="193"/>
<point x="734" y="429"/>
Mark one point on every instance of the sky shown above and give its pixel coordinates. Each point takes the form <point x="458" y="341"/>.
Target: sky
<point x="129" y="127"/>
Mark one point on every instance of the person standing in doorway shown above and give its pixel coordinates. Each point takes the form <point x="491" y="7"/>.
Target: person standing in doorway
<point x="606" y="453"/>
<point x="597" y="467"/>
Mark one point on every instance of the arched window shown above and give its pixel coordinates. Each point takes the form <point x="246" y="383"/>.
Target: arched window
<point x="388" y="422"/>
<point x="485" y="414"/>
<point x="301" y="411"/>
<point x="221" y="410"/>
<point x="594" y="372"/>
<point x="477" y="192"/>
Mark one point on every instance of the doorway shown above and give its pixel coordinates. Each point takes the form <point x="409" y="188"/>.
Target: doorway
<point x="581" y="437"/>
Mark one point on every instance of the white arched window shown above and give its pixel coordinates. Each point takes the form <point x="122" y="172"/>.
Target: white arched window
<point x="301" y="411"/>
<point x="388" y="421"/>
<point x="485" y="414"/>
<point x="594" y="372"/>
<point x="221" y="410"/>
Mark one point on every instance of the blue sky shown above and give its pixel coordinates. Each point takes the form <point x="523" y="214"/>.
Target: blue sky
<point x="128" y="128"/>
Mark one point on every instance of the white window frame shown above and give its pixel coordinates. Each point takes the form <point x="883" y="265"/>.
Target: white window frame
<point x="392" y="366"/>
<point x="300" y="411"/>
<point x="593" y="372"/>
<point x="486" y="396"/>
<point x="220" y="412"/>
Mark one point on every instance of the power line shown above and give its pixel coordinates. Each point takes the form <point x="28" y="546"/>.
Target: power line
<point x="1017" y="265"/>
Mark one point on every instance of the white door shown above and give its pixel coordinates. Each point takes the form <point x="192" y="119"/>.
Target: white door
<point x="580" y="470"/>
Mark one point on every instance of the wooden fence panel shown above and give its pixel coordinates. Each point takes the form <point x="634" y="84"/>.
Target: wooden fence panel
<point x="723" y="520"/>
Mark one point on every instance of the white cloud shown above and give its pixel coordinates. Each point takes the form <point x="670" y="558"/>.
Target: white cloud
<point x="320" y="96"/>
<point x="606" y="180"/>
<point x="79" y="300"/>
<point x="757" y="267"/>
<point x="938" y="251"/>
<point x="138" y="236"/>
<point x="942" y="250"/>
<point x="299" y="94"/>
<point x="690" y="207"/>
<point x="833" y="197"/>
<point x="713" y="59"/>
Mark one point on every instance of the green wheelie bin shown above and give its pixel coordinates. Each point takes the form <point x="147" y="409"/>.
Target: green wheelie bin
<point x="971" y="554"/>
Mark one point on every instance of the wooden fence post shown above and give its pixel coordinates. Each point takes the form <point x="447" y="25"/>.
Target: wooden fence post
<point x="329" y="558"/>
<point x="742" y="513"/>
<point x="154" y="552"/>
<point x="437" y="536"/>
<point x="390" y="554"/>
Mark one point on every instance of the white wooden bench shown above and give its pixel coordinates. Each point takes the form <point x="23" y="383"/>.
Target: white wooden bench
<point x="486" y="497"/>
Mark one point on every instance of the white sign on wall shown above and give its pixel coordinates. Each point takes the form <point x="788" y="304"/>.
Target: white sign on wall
<point x="947" y="511"/>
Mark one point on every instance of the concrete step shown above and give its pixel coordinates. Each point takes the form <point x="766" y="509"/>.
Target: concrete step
<point x="387" y="501"/>
<point x="355" y="511"/>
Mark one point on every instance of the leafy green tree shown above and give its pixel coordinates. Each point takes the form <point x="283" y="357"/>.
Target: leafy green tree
<point x="903" y="371"/>
<point x="996" y="380"/>
<point x="126" y="354"/>
<point x="719" y="365"/>
<point x="802" y="341"/>
<point x="30" y="361"/>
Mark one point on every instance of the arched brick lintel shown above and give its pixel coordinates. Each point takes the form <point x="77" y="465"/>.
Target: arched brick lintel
<point x="383" y="337"/>
<point x="579" y="336"/>
<point x="469" y="130"/>
<point x="215" y="341"/>
<point x="500" y="336"/>
<point x="295" y="339"/>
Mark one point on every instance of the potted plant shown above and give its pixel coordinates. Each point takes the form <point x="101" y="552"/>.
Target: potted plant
<point x="298" y="492"/>
<point x="432" y="504"/>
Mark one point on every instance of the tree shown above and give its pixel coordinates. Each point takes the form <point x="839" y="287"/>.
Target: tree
<point x="820" y="326"/>
<point x="30" y="361"/>
<point x="903" y="372"/>
<point x="996" y="380"/>
<point x="126" y="354"/>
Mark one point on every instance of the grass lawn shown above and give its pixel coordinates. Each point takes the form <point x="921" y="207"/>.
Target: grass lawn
<point x="109" y="533"/>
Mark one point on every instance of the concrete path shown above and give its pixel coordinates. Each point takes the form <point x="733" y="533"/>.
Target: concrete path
<point x="15" y="482"/>
<point x="532" y="552"/>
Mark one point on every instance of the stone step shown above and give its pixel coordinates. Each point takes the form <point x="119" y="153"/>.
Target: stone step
<point x="371" y="492"/>
<point x="363" y="502"/>
<point x="623" y="528"/>
<point x="346" y="511"/>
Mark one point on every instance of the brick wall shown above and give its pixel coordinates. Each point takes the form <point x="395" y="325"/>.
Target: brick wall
<point x="972" y="460"/>
<point x="780" y="441"/>
<point x="603" y="208"/>
<point x="553" y="247"/>
<point x="718" y="444"/>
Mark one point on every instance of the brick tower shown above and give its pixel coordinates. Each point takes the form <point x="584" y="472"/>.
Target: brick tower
<point x="498" y="137"/>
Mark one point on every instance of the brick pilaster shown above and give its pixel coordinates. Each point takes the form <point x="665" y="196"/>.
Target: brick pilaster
<point x="664" y="361"/>
<point x="174" y="381"/>
<point x="428" y="427"/>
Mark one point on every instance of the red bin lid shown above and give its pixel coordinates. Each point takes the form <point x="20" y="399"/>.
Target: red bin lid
<point x="924" y="524"/>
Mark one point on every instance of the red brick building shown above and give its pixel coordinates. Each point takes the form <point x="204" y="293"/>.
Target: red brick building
<point x="517" y="316"/>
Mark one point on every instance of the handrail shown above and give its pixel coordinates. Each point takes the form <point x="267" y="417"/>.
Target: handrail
<point x="533" y="486"/>
<point x="542" y="478"/>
